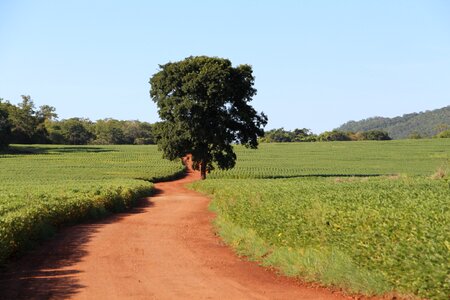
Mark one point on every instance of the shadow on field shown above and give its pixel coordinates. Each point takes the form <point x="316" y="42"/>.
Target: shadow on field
<point x="50" y="271"/>
<point x="53" y="150"/>
<point x="79" y="149"/>
<point x="322" y="175"/>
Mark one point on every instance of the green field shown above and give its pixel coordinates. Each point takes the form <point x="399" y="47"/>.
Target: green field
<point x="44" y="187"/>
<point x="327" y="218"/>
<point x="284" y="160"/>
<point x="366" y="216"/>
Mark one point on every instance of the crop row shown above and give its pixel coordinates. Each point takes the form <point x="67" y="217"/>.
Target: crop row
<point x="278" y="160"/>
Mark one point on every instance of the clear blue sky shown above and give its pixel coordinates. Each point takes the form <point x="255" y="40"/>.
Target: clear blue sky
<point x="317" y="63"/>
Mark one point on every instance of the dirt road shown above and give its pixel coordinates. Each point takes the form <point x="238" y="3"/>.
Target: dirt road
<point x="163" y="249"/>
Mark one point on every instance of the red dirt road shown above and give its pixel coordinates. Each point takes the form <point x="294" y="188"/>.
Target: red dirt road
<point x="163" y="249"/>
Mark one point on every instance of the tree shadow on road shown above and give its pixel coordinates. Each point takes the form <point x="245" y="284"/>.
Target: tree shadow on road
<point x="50" y="271"/>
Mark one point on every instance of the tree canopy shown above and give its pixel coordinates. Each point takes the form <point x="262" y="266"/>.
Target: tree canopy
<point x="443" y="134"/>
<point x="27" y="124"/>
<point x="280" y="135"/>
<point x="5" y="126"/>
<point x="203" y="103"/>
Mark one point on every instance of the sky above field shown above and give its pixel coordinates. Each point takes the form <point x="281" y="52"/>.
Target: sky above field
<point x="317" y="64"/>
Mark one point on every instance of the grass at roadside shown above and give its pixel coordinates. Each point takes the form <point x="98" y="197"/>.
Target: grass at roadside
<point x="330" y="267"/>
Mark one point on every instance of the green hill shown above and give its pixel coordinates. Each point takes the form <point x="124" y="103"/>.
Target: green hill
<point x="423" y="124"/>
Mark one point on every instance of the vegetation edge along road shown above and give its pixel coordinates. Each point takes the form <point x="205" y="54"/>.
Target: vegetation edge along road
<point x="66" y="185"/>
<point x="366" y="235"/>
<point x="90" y="168"/>
<point x="370" y="217"/>
<point x="164" y="248"/>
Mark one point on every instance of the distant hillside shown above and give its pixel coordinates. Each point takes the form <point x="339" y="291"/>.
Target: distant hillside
<point x="426" y="124"/>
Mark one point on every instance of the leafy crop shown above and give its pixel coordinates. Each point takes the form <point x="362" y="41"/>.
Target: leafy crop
<point x="364" y="158"/>
<point x="44" y="187"/>
<point x="370" y="234"/>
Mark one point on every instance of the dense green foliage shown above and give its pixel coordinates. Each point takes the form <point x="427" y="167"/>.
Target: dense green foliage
<point x="5" y="127"/>
<point x="76" y="131"/>
<point x="444" y="134"/>
<point x="376" y="233"/>
<point x="24" y="124"/>
<point x="281" y="135"/>
<point x="335" y="135"/>
<point x="203" y="103"/>
<point x="72" y="131"/>
<point x="423" y="124"/>
<point x="44" y="187"/>
<point x="27" y="124"/>
<point x="374" y="135"/>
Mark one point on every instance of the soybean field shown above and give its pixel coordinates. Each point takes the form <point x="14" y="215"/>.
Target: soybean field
<point x="362" y="158"/>
<point x="45" y="187"/>
<point x="369" y="217"/>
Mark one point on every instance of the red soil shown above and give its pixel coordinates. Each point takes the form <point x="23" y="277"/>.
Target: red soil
<point x="163" y="249"/>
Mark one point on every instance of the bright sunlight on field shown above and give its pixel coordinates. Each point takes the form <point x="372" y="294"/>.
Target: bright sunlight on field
<point x="43" y="187"/>
<point x="345" y="227"/>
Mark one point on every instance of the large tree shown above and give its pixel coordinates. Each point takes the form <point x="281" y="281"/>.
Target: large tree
<point x="203" y="103"/>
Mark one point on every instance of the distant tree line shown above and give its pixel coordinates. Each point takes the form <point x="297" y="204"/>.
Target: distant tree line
<point x="80" y="131"/>
<point x="281" y="135"/>
<point x="370" y="135"/>
<point x="25" y="124"/>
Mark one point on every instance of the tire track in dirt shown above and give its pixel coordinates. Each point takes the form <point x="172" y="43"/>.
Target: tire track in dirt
<point x="163" y="249"/>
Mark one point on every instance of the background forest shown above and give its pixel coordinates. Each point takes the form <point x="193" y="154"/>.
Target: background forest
<point x="24" y="123"/>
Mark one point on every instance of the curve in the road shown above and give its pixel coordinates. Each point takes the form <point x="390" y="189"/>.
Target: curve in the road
<point x="163" y="249"/>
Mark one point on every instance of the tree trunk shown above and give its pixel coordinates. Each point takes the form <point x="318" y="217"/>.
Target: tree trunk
<point x="203" y="169"/>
